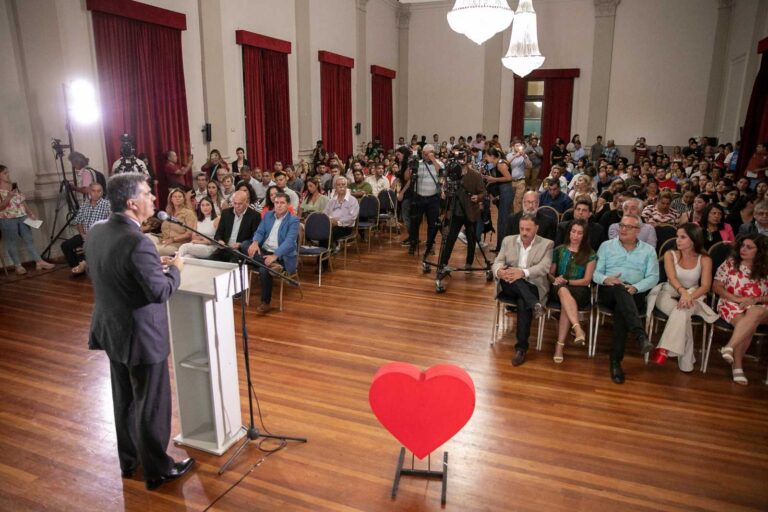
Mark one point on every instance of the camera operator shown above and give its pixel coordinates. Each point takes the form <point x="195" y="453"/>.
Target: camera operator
<point x="426" y="198"/>
<point x="465" y="212"/>
<point x="128" y="161"/>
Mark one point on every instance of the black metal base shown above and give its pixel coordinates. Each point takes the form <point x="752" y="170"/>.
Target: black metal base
<point x="252" y="434"/>
<point x="423" y="473"/>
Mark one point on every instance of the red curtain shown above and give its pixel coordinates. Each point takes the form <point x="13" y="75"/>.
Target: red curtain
<point x="381" y="99"/>
<point x="267" y="109"/>
<point x="556" y="116"/>
<point x="336" y="108"/>
<point x="756" y="123"/>
<point x="141" y="83"/>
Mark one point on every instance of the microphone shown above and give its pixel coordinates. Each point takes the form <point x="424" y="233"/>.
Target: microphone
<point x="164" y="216"/>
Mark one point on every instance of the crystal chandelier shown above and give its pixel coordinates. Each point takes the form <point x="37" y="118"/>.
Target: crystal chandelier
<point x="523" y="55"/>
<point x="479" y="20"/>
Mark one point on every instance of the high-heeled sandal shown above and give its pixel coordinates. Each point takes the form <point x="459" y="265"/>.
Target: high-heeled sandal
<point x="559" y="359"/>
<point x="578" y="340"/>
<point x="739" y="377"/>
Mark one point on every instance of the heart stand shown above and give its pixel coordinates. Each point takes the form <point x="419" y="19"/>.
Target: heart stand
<point x="423" y="473"/>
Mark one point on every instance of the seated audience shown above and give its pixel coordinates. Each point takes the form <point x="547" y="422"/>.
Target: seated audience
<point x="627" y="269"/>
<point x="547" y="226"/>
<point x="274" y="243"/>
<point x="207" y="223"/>
<point x="95" y="209"/>
<point x="741" y="283"/>
<point x="359" y="187"/>
<point x="573" y="264"/>
<point x="759" y="223"/>
<point x="634" y="206"/>
<point x="554" y="197"/>
<point x="715" y="228"/>
<point x="689" y="278"/>
<point x="281" y="180"/>
<point x="201" y="187"/>
<point x="214" y="194"/>
<point x="237" y="225"/>
<point x="521" y="268"/>
<point x="342" y="208"/>
<point x="314" y="199"/>
<point x="172" y="235"/>
<point x="661" y="212"/>
<point x="582" y="211"/>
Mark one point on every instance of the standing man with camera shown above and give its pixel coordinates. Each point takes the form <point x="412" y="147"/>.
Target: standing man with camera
<point x="465" y="212"/>
<point x="426" y="198"/>
<point x="128" y="161"/>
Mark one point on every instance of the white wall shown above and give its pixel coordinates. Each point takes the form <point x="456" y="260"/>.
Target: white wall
<point x="280" y="24"/>
<point x="445" y="77"/>
<point x="660" y="91"/>
<point x="333" y="30"/>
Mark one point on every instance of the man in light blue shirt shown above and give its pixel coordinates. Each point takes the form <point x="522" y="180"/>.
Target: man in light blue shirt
<point x="627" y="269"/>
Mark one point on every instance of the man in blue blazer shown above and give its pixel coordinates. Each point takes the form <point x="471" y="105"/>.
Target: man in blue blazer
<point x="130" y="324"/>
<point x="274" y="242"/>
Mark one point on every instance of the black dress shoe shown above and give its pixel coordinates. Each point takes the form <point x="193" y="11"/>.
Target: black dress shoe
<point x="519" y="358"/>
<point x="645" y="344"/>
<point x="177" y="471"/>
<point x="128" y="473"/>
<point x="617" y="374"/>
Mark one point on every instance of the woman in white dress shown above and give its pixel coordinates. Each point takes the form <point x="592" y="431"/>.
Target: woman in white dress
<point x="689" y="278"/>
<point x="207" y="222"/>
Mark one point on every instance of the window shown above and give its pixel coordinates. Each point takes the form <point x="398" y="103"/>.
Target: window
<point x="534" y="100"/>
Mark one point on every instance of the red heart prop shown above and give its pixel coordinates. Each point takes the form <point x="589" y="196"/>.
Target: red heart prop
<point x="422" y="410"/>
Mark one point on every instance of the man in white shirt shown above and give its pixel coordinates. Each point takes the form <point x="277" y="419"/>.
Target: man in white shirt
<point x="201" y="187"/>
<point x="377" y="180"/>
<point x="281" y="180"/>
<point x="262" y="186"/>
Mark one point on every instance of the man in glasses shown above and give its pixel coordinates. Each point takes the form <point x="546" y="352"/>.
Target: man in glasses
<point x="627" y="269"/>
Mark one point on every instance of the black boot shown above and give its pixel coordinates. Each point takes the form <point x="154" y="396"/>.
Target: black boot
<point x="617" y="374"/>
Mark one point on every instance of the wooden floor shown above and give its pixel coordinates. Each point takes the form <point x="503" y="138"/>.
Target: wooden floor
<point x="543" y="436"/>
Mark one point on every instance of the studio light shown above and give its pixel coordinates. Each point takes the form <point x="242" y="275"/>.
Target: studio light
<point x="523" y="55"/>
<point x="81" y="101"/>
<point x="479" y="20"/>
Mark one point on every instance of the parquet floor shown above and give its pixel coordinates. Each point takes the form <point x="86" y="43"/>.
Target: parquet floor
<point x="543" y="437"/>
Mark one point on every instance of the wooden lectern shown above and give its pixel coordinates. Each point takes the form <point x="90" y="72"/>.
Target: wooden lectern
<point x="204" y="355"/>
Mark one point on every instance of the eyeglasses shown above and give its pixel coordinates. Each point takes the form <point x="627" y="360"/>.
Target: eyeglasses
<point x="628" y="226"/>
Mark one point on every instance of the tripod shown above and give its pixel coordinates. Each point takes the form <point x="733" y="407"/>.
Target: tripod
<point x="66" y="196"/>
<point x="443" y="270"/>
<point x="251" y="432"/>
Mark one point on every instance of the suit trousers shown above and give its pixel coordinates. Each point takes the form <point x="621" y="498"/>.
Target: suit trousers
<point x="265" y="276"/>
<point x="420" y="206"/>
<point x="457" y="222"/>
<point x="626" y="315"/>
<point x="69" y="248"/>
<point x="141" y="398"/>
<point x="527" y="295"/>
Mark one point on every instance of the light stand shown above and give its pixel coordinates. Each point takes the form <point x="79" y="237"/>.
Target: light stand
<point x="251" y="432"/>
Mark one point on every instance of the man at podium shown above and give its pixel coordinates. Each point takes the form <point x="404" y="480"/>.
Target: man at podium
<point x="130" y="323"/>
<point x="274" y="243"/>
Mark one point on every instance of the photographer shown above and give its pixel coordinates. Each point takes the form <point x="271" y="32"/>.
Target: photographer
<point x="128" y="161"/>
<point x="426" y="198"/>
<point x="465" y="211"/>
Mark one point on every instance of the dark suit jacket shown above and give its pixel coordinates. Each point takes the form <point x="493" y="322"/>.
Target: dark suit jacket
<point x="472" y="184"/>
<point x="248" y="225"/>
<point x="596" y="234"/>
<point x="547" y="226"/>
<point x="129" y="320"/>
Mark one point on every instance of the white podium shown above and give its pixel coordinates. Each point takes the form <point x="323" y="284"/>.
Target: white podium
<point x="202" y="333"/>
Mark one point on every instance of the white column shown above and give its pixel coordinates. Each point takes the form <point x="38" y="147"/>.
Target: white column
<point x="492" y="85"/>
<point x="363" y="78"/>
<point x="401" y="121"/>
<point x="717" y="68"/>
<point x="212" y="40"/>
<point x="304" y="78"/>
<point x="602" y="57"/>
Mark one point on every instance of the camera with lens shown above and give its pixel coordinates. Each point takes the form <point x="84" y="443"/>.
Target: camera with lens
<point x="453" y="169"/>
<point x="127" y="147"/>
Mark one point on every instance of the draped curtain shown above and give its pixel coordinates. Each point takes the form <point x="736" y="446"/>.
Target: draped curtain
<point x="756" y="124"/>
<point x="267" y="110"/>
<point x="141" y="84"/>
<point x="381" y="105"/>
<point x="336" y="108"/>
<point x="556" y="110"/>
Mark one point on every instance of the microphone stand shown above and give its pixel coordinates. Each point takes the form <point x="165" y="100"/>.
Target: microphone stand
<point x="251" y="432"/>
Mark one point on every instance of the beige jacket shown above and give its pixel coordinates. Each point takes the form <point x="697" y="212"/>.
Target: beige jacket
<point x="539" y="260"/>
